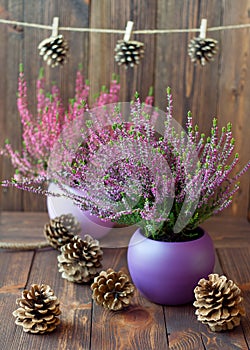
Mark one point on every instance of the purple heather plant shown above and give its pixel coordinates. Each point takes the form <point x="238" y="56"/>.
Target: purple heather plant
<point x="127" y="168"/>
<point x="41" y="131"/>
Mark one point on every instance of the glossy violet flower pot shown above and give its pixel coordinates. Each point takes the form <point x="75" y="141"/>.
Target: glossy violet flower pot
<point x="90" y="224"/>
<point x="167" y="272"/>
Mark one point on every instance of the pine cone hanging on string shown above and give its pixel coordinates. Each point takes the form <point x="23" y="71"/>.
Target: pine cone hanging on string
<point x="80" y="259"/>
<point x="128" y="53"/>
<point x="202" y="50"/>
<point x="112" y="290"/>
<point x="61" y="230"/>
<point x="54" y="50"/>
<point x="219" y="303"/>
<point x="38" y="310"/>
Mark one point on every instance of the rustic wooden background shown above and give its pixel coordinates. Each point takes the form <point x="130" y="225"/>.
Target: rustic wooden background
<point x="220" y="89"/>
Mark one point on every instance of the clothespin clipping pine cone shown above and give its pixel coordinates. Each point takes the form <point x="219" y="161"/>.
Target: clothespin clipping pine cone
<point x="127" y="52"/>
<point x="218" y="303"/>
<point x="55" y="48"/>
<point x="202" y="49"/>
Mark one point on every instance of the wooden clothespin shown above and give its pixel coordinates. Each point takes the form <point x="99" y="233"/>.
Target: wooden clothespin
<point x="203" y="28"/>
<point x="55" y="26"/>
<point x="128" y="31"/>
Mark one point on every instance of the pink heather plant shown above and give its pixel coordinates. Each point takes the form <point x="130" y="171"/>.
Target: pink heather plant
<point x="42" y="130"/>
<point x="131" y="170"/>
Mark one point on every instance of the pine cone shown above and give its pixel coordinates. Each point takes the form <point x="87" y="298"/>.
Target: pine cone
<point x="80" y="259"/>
<point x="38" y="309"/>
<point x="128" y="53"/>
<point x="218" y="303"/>
<point x="54" y="50"/>
<point x="202" y="50"/>
<point x="112" y="290"/>
<point x="61" y="230"/>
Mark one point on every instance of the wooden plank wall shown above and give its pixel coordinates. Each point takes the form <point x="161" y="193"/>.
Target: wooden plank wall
<point x="219" y="89"/>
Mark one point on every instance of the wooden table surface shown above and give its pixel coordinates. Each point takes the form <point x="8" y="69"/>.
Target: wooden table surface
<point x="143" y="325"/>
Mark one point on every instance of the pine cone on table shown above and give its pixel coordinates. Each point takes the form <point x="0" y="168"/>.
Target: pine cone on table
<point x="112" y="290"/>
<point x="38" y="310"/>
<point x="202" y="50"/>
<point x="80" y="259"/>
<point x="128" y="53"/>
<point x="61" y="230"/>
<point x="219" y="303"/>
<point x="54" y="50"/>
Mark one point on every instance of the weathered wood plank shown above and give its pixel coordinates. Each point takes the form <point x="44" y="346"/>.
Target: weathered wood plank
<point x="193" y="87"/>
<point x="228" y="231"/>
<point x="12" y="51"/>
<point x="7" y="324"/>
<point x="182" y="328"/>
<point x="22" y="227"/>
<point x="141" y="326"/>
<point x="3" y="58"/>
<point x="114" y="14"/>
<point x="14" y="272"/>
<point x="234" y="85"/>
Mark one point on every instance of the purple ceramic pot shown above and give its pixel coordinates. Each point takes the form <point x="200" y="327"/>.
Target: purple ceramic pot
<point x="90" y="224"/>
<point x="167" y="272"/>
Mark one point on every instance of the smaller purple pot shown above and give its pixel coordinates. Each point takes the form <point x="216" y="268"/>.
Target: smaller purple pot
<point x="167" y="272"/>
<point x="90" y="224"/>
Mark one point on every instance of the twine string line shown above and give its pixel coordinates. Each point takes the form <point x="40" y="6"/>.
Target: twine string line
<point x="118" y="31"/>
<point x="24" y="245"/>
